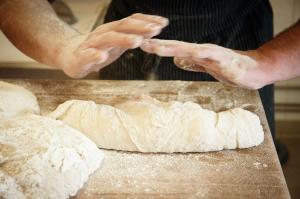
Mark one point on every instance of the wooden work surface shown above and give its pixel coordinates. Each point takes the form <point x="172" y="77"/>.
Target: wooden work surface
<point x="246" y="173"/>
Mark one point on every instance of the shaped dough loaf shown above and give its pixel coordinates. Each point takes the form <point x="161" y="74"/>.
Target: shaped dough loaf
<point x="148" y="125"/>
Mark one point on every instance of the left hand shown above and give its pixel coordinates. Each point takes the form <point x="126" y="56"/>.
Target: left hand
<point x="84" y="53"/>
<point x="237" y="68"/>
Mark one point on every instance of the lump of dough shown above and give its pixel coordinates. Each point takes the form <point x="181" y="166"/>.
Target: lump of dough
<point x="16" y="100"/>
<point x="148" y="125"/>
<point x="44" y="158"/>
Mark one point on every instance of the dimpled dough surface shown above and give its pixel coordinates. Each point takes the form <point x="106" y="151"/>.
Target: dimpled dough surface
<point x="148" y="125"/>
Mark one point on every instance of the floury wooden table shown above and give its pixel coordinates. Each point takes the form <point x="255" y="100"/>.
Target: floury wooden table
<point x="246" y="173"/>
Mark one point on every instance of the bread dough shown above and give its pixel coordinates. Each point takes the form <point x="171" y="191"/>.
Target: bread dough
<point x="148" y="125"/>
<point x="43" y="158"/>
<point x="40" y="157"/>
<point x="16" y="100"/>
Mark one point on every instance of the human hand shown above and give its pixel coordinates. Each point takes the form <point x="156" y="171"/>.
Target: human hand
<point x="83" y="54"/>
<point x="237" y="68"/>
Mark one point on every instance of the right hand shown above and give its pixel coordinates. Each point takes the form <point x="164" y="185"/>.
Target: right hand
<point x="83" y="54"/>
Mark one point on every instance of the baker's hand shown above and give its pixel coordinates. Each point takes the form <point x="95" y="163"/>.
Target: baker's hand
<point x="83" y="54"/>
<point x="237" y="68"/>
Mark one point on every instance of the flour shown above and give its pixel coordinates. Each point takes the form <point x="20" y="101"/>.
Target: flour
<point x="40" y="157"/>
<point x="43" y="158"/>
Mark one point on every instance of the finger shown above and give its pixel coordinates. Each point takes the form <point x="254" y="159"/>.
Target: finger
<point x="212" y="67"/>
<point x="215" y="69"/>
<point x="92" y="56"/>
<point x="113" y="39"/>
<point x="114" y="54"/>
<point x="151" y="18"/>
<point x="85" y="60"/>
<point x="214" y="52"/>
<point x="168" y="48"/>
<point x="222" y="79"/>
<point x="140" y="27"/>
<point x="131" y="25"/>
<point x="204" y="65"/>
<point x="188" y="65"/>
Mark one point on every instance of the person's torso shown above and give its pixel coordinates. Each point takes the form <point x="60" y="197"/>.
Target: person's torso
<point x="205" y="17"/>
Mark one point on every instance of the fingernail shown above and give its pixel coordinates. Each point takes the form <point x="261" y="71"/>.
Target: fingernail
<point x="165" y="21"/>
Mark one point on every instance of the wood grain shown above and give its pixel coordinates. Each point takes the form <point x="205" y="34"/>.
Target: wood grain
<point x="247" y="173"/>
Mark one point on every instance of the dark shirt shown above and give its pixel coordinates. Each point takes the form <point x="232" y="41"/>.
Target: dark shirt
<point x="199" y="17"/>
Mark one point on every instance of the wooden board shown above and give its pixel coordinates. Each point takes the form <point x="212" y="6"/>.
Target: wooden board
<point x="247" y="173"/>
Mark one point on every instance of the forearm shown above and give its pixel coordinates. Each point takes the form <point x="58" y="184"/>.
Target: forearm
<point x="280" y="58"/>
<point x="34" y="28"/>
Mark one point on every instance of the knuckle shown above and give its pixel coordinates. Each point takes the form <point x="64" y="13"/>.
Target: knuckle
<point x="110" y="33"/>
<point x="209" y="45"/>
<point x="102" y="57"/>
<point x="123" y="22"/>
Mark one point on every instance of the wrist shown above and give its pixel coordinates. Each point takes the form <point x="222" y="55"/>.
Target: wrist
<point x="63" y="53"/>
<point x="262" y="73"/>
<point x="271" y="64"/>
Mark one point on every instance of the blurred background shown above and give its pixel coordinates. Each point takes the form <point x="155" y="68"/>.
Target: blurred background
<point x="84" y="15"/>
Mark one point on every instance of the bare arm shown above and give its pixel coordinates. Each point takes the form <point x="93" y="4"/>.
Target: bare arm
<point x="277" y="60"/>
<point x="280" y="57"/>
<point x="33" y="27"/>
